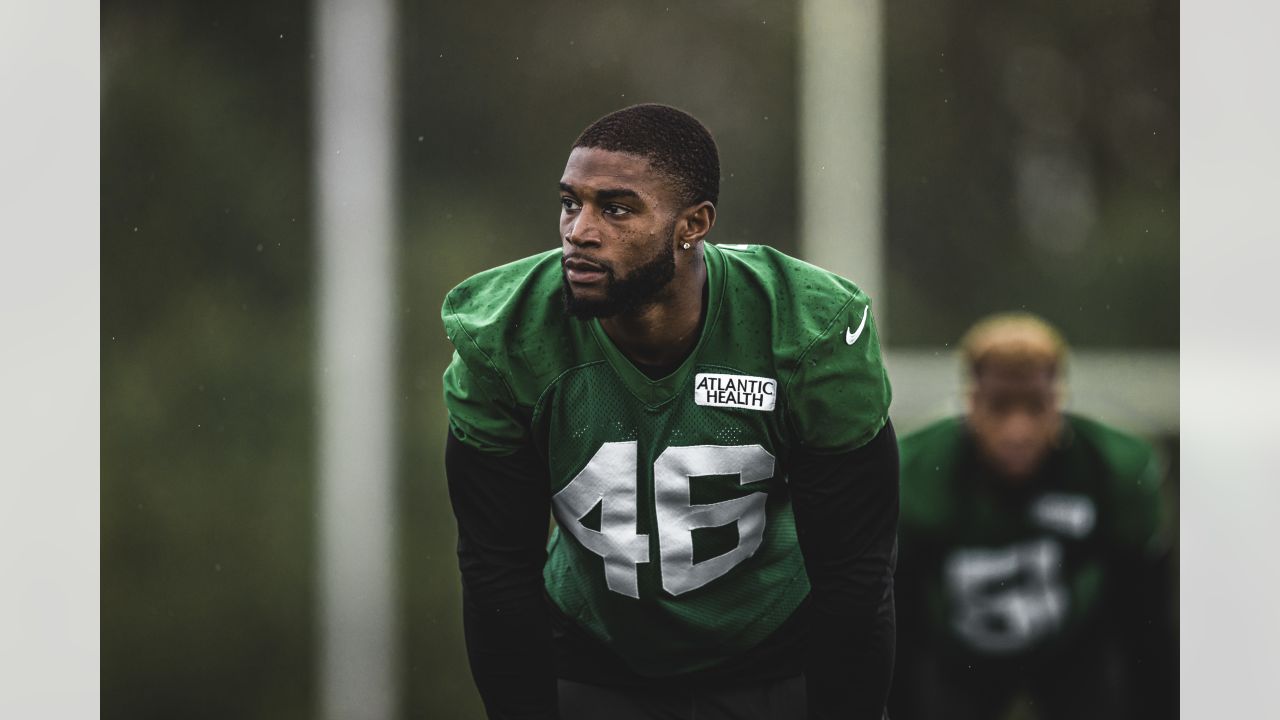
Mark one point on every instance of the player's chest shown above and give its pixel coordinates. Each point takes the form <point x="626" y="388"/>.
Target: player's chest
<point x="1013" y="577"/>
<point x="688" y="482"/>
<point x="709" y="421"/>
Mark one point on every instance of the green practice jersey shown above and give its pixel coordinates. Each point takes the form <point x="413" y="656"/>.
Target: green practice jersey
<point x="998" y="572"/>
<point x="675" y="542"/>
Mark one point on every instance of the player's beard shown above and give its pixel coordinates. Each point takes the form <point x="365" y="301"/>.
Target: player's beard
<point x="638" y="289"/>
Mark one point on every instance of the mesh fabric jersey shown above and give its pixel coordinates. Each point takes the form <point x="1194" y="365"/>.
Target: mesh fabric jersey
<point x="1011" y="574"/>
<point x="675" y="542"/>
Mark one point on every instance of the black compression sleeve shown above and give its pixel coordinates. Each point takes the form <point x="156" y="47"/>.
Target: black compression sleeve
<point x="502" y="505"/>
<point x="1146" y="624"/>
<point x="846" y="509"/>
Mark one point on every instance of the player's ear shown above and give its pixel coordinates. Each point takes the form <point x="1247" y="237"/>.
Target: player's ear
<point x="696" y="222"/>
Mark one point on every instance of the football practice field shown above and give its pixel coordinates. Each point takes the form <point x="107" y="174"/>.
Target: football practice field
<point x="289" y="189"/>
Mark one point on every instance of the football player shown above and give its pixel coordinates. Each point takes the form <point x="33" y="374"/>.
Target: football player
<point x="1035" y="550"/>
<point x="709" y="427"/>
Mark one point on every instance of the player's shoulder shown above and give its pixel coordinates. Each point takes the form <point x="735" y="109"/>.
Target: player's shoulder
<point x="939" y="440"/>
<point x="510" y="320"/>
<point x="1126" y="455"/>
<point x="927" y="460"/>
<point x="1132" y="482"/>
<point x="817" y="330"/>
<point x="810" y="296"/>
<point x="491" y="296"/>
<point x="813" y="315"/>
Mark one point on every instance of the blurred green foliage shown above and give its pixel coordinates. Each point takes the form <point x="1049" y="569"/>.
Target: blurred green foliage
<point x="207" y="432"/>
<point x="208" y="397"/>
<point x="1032" y="162"/>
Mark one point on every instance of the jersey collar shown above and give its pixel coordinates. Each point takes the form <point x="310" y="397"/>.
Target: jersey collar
<point x="657" y="392"/>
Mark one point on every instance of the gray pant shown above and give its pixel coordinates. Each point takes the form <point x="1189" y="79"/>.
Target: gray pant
<point x="772" y="700"/>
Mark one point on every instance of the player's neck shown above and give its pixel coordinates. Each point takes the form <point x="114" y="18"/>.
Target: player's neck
<point x="664" y="332"/>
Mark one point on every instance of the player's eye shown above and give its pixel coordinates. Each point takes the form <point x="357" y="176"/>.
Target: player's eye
<point x="614" y="209"/>
<point x="568" y="204"/>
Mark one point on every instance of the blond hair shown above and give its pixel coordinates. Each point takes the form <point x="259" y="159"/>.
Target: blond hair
<point x="1016" y="340"/>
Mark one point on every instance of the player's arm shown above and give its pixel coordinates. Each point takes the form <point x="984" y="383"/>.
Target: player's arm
<point x="502" y="506"/>
<point x="909" y="590"/>
<point x="501" y="500"/>
<point x="1147" y="631"/>
<point x="1145" y="619"/>
<point x="846" y="510"/>
<point x="843" y="477"/>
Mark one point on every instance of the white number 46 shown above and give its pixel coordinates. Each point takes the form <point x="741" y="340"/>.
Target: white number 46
<point x="610" y="479"/>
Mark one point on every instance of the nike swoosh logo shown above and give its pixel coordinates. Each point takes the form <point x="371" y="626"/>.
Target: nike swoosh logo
<point x="852" y="337"/>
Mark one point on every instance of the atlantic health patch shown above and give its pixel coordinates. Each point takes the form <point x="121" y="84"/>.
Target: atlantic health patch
<point x="739" y="391"/>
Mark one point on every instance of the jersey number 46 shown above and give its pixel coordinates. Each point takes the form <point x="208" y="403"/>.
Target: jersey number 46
<point x="610" y="479"/>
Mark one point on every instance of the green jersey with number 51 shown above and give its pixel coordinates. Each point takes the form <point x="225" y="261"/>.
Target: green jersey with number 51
<point x="675" y="542"/>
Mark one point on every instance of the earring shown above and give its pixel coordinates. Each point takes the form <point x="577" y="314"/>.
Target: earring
<point x="686" y="246"/>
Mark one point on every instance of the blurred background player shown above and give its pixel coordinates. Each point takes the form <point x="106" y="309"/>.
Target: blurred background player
<point x="1034" y="575"/>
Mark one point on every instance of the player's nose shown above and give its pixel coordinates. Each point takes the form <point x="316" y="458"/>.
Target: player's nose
<point x="581" y="231"/>
<point x="1013" y="432"/>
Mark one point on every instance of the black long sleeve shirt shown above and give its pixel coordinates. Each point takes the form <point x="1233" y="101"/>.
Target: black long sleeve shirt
<point x="842" y="637"/>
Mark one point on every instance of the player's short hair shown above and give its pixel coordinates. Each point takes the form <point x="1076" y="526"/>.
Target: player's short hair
<point x="673" y="141"/>
<point x="1014" y="340"/>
